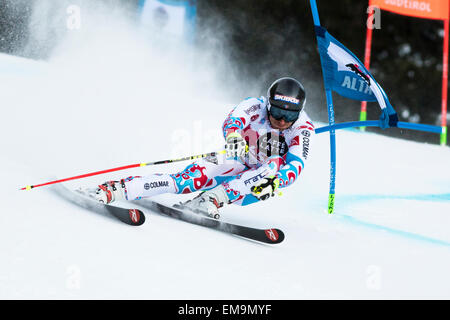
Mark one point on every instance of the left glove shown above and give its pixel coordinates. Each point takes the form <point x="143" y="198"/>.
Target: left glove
<point x="235" y="146"/>
<point x="265" y="188"/>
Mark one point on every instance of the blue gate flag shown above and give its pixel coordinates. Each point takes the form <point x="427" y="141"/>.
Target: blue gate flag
<point x="347" y="76"/>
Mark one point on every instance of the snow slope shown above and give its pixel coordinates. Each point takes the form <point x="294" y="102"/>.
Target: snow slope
<point x="389" y="237"/>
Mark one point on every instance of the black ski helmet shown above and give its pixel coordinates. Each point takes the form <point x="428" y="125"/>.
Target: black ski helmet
<point x="286" y="99"/>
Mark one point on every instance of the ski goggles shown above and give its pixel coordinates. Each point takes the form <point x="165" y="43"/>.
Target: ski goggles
<point x="287" y="115"/>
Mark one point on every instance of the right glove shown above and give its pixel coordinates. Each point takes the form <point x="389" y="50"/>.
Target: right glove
<point x="266" y="188"/>
<point x="235" y="146"/>
<point x="111" y="191"/>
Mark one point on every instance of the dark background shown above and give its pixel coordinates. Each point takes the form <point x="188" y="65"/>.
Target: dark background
<point x="267" y="39"/>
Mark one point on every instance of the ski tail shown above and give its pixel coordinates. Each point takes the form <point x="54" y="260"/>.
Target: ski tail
<point x="270" y="236"/>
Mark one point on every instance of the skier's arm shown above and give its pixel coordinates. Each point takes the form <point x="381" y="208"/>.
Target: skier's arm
<point x="233" y="123"/>
<point x="296" y="157"/>
<point x="233" y="126"/>
<point x="240" y="116"/>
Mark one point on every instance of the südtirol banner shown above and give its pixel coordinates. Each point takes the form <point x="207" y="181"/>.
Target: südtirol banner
<point x="428" y="9"/>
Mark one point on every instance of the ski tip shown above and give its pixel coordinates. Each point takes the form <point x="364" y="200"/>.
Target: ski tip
<point x="137" y="217"/>
<point x="274" y="235"/>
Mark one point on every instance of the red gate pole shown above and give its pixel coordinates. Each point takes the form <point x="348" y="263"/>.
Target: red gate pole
<point x="368" y="49"/>
<point x="444" y="85"/>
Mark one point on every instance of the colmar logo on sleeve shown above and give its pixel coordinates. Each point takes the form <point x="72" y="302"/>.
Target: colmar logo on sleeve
<point x="252" y="109"/>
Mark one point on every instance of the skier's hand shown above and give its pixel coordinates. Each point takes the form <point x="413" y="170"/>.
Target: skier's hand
<point x="235" y="146"/>
<point x="265" y="188"/>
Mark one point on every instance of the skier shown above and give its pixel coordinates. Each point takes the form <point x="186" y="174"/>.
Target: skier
<point x="267" y="143"/>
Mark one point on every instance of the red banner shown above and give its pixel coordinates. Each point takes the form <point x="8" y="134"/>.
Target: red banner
<point x="428" y="9"/>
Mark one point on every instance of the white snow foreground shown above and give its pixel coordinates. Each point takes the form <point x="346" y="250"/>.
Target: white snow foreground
<point x="388" y="239"/>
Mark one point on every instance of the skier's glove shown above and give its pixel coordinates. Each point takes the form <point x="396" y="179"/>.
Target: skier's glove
<point x="265" y="188"/>
<point x="235" y="146"/>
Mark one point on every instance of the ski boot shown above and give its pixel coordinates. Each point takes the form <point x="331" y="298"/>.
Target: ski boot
<point x="110" y="191"/>
<point x="207" y="202"/>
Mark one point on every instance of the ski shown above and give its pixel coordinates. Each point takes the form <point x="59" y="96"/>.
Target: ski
<point x="132" y="217"/>
<point x="270" y="236"/>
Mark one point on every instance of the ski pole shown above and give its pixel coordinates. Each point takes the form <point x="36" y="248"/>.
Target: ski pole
<point x="136" y="165"/>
